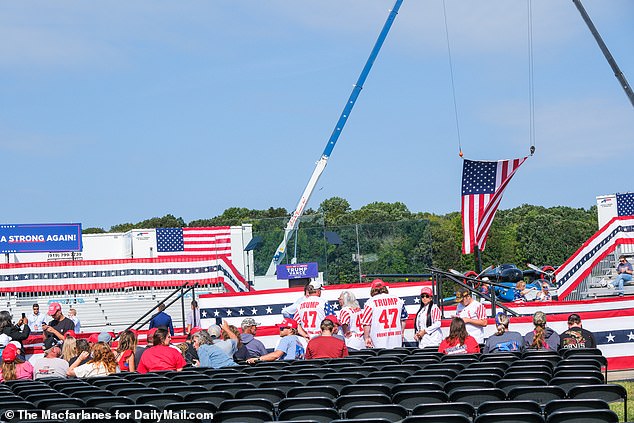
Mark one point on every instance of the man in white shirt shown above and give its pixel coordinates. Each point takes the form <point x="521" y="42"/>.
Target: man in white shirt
<point x="290" y="310"/>
<point x="72" y="315"/>
<point x="36" y="319"/>
<point x="472" y="312"/>
<point x="51" y="365"/>
<point x="192" y="320"/>
<point x="383" y="318"/>
<point x="312" y="311"/>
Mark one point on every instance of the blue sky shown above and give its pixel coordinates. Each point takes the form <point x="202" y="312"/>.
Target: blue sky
<point x="117" y="111"/>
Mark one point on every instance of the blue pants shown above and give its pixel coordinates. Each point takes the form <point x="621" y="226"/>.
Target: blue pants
<point x="620" y="279"/>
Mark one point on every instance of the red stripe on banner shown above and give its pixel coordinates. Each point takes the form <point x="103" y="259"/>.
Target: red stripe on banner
<point x="573" y="284"/>
<point x="167" y="259"/>
<point x="210" y="250"/>
<point x="207" y="228"/>
<point x="621" y="363"/>
<point x="338" y="287"/>
<point x="469" y="221"/>
<point x="505" y="172"/>
<point x="208" y="242"/>
<point x="111" y="285"/>
<point x="592" y="238"/>
<point x="563" y="316"/>
<point x="210" y="235"/>
<point x="236" y="273"/>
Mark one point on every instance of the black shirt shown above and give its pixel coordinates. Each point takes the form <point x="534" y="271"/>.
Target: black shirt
<point x="62" y="326"/>
<point x="577" y="337"/>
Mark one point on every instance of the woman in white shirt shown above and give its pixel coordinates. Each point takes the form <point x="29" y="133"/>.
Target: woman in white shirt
<point x="350" y="319"/>
<point x="427" y="322"/>
<point x="102" y="363"/>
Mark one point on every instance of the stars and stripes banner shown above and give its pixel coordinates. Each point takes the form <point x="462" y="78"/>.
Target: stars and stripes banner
<point x="483" y="183"/>
<point x="266" y="306"/>
<point x="612" y="321"/>
<point x="613" y="205"/>
<point x="208" y="241"/>
<point x="619" y="231"/>
<point x="625" y="204"/>
<point x="121" y="273"/>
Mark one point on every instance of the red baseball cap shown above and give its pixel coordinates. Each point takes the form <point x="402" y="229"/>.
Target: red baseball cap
<point x="54" y="308"/>
<point x="378" y="283"/>
<point x="333" y="319"/>
<point x="194" y="330"/>
<point x="9" y="353"/>
<point x="288" y="323"/>
<point x="70" y="333"/>
<point x="94" y="338"/>
<point x="426" y="290"/>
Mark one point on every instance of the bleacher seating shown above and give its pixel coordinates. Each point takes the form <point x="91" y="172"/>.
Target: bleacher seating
<point x="389" y="387"/>
<point x="114" y="310"/>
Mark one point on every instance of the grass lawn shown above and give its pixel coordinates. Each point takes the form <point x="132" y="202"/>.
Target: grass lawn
<point x="617" y="407"/>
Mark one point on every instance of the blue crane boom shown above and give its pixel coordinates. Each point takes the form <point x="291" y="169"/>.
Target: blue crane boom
<point x="321" y="163"/>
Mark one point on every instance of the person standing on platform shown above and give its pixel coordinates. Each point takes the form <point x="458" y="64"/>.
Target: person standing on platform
<point x="162" y="320"/>
<point x="383" y="318"/>
<point x="36" y="319"/>
<point x="192" y="320"/>
<point x="72" y="315"/>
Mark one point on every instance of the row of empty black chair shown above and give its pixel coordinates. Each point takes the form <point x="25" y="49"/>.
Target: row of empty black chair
<point x="404" y="383"/>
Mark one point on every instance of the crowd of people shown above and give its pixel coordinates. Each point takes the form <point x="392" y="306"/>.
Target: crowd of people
<point x="310" y="329"/>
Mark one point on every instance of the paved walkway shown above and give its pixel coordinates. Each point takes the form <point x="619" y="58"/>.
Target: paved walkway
<point x="621" y="375"/>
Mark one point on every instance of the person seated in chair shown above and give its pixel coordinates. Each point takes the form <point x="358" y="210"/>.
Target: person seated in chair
<point x="326" y="345"/>
<point x="624" y="270"/>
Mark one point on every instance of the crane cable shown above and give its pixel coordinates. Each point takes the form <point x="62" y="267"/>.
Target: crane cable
<point x="453" y="86"/>
<point x="531" y="85"/>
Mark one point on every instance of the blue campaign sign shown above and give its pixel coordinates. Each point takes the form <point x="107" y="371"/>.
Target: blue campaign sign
<point x="296" y="271"/>
<point x="40" y="238"/>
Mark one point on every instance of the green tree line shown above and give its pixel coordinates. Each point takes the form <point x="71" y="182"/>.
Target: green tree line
<point x="387" y="238"/>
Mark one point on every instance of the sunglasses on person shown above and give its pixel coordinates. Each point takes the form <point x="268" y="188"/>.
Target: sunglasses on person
<point x="281" y="329"/>
<point x="425" y="296"/>
<point x="545" y="288"/>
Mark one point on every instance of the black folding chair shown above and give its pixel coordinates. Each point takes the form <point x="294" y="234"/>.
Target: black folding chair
<point x="606" y="392"/>
<point x="595" y="416"/>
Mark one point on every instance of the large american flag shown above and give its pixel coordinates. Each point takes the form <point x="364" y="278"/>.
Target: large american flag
<point x="209" y="241"/>
<point x="483" y="183"/>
